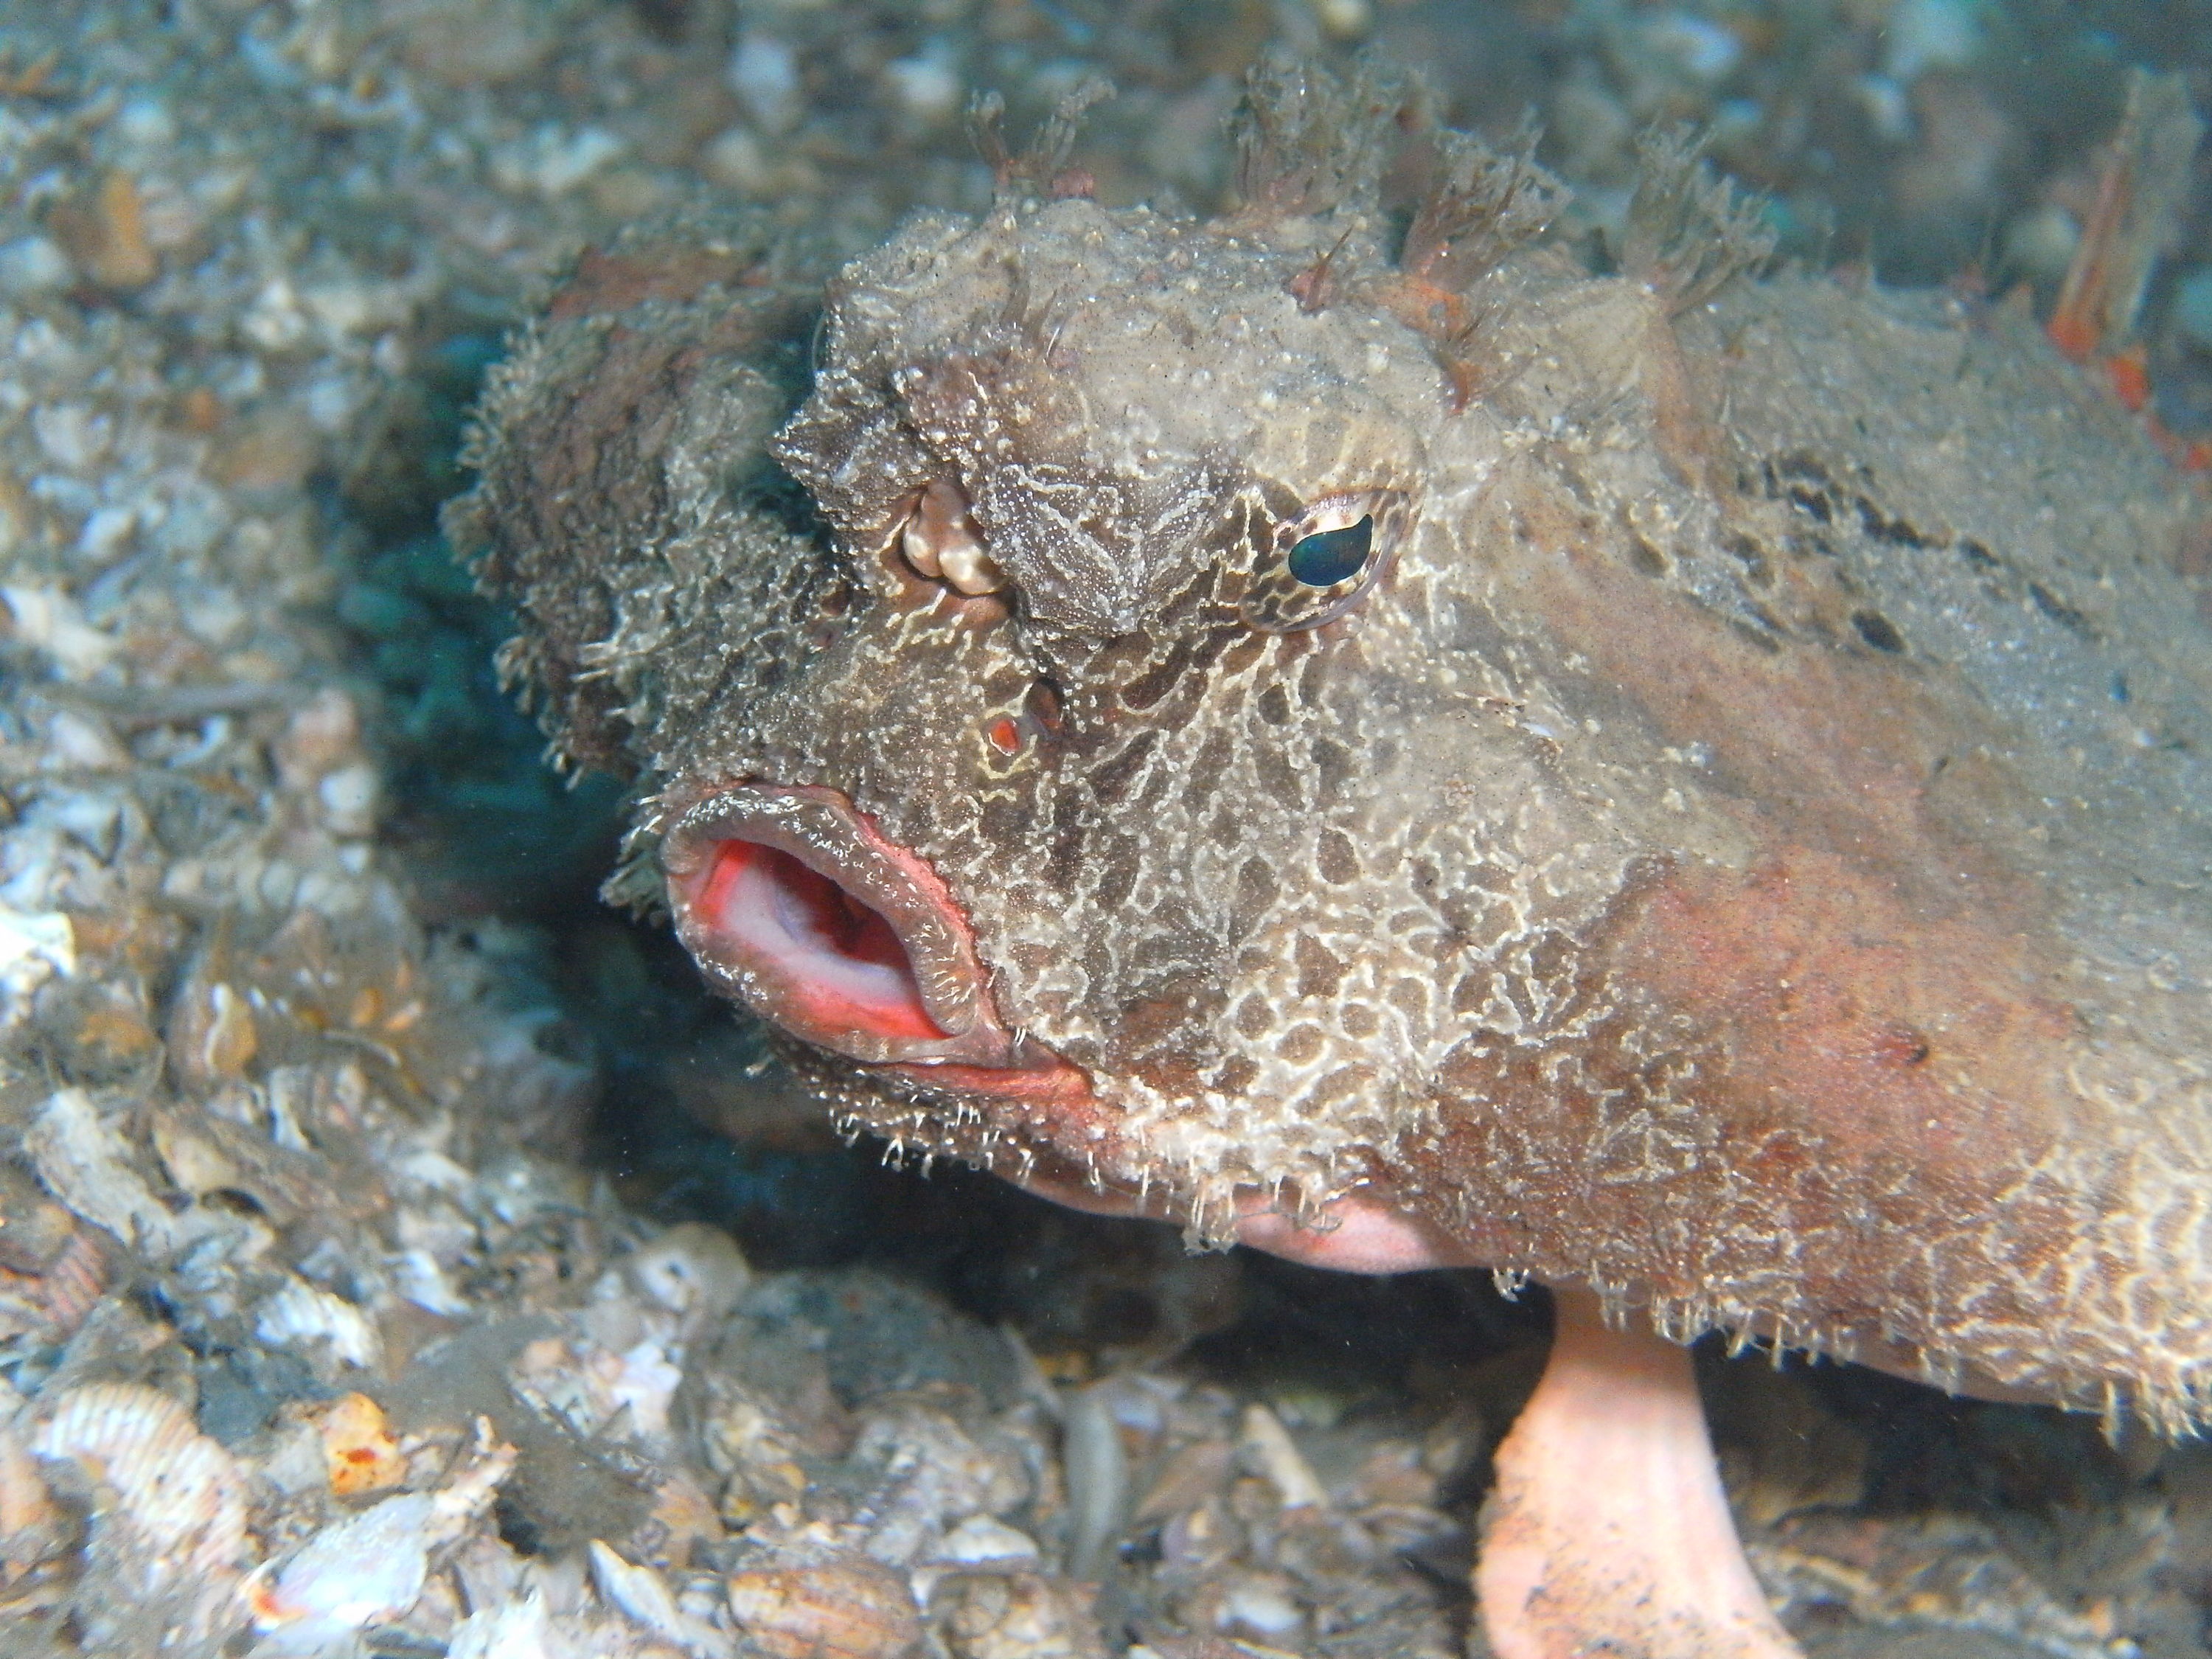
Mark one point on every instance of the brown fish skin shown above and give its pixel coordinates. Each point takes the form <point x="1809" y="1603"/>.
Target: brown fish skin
<point x="1742" y="847"/>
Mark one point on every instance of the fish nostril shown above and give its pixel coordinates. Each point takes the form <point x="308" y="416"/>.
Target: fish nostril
<point x="938" y="540"/>
<point x="1043" y="705"/>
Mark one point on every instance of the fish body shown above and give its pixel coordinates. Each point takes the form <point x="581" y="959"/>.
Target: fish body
<point x="1683" y="784"/>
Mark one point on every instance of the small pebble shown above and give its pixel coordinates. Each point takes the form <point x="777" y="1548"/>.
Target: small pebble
<point x="145" y="120"/>
<point x="1925" y="34"/>
<point x="349" y="797"/>
<point x="32" y="265"/>
<point x="1701" y="49"/>
<point x="104" y="234"/>
<point x="764" y="74"/>
<point x="926" y="87"/>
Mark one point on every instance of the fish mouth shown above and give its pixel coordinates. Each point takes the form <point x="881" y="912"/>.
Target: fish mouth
<point x="792" y="900"/>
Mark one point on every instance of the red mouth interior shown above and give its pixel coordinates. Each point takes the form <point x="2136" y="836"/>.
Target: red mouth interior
<point x="830" y="960"/>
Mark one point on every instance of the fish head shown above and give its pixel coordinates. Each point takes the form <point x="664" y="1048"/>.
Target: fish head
<point x="1092" y="818"/>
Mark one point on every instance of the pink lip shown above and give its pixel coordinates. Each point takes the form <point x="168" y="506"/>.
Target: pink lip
<point x="791" y="899"/>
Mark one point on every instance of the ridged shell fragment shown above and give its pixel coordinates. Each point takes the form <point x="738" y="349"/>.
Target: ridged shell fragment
<point x="169" y="1503"/>
<point x="305" y="1318"/>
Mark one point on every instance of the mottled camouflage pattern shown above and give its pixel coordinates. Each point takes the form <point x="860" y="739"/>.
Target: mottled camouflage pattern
<point x="1747" y="852"/>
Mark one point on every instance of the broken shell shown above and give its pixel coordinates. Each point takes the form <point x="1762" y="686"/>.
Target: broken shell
<point x="33" y="948"/>
<point x="51" y="621"/>
<point x="371" y="1567"/>
<point x="33" y="1228"/>
<point x="367" y="1569"/>
<point x="52" y="1271"/>
<point x="358" y="1450"/>
<point x="470" y="1491"/>
<point x="1255" y="1605"/>
<point x="212" y="1031"/>
<point x="87" y="1164"/>
<point x="644" y="1597"/>
<point x="1271" y="1452"/>
<point x="990" y="1616"/>
<point x="683" y="1514"/>
<point x="518" y="1629"/>
<point x="195" y="1163"/>
<point x="983" y="1542"/>
<point x="854" y="1609"/>
<point x="75" y="1280"/>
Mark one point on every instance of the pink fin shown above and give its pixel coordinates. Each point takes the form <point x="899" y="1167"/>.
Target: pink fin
<point x="1608" y="1532"/>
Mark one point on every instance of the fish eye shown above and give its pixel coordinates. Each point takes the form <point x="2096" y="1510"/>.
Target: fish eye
<point x="1317" y="562"/>
<point x="1329" y="557"/>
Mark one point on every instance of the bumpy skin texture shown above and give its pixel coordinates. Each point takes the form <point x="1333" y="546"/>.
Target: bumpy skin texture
<point x="1744" y="851"/>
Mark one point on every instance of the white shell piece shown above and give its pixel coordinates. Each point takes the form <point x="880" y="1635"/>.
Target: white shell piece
<point x="646" y="1382"/>
<point x="457" y="1504"/>
<point x="1260" y="1607"/>
<point x="417" y="1277"/>
<point x="365" y="1569"/>
<point x="35" y="946"/>
<point x="300" y="1316"/>
<point x="84" y="742"/>
<point x="515" y="1630"/>
<point x="1269" y="1446"/>
<point x="980" y="1540"/>
<point x="48" y="618"/>
<point x="349" y="797"/>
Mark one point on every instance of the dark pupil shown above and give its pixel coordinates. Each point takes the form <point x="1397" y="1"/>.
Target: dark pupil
<point x="1329" y="557"/>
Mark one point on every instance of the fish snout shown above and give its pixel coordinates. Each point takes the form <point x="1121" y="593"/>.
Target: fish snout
<point x="791" y="899"/>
